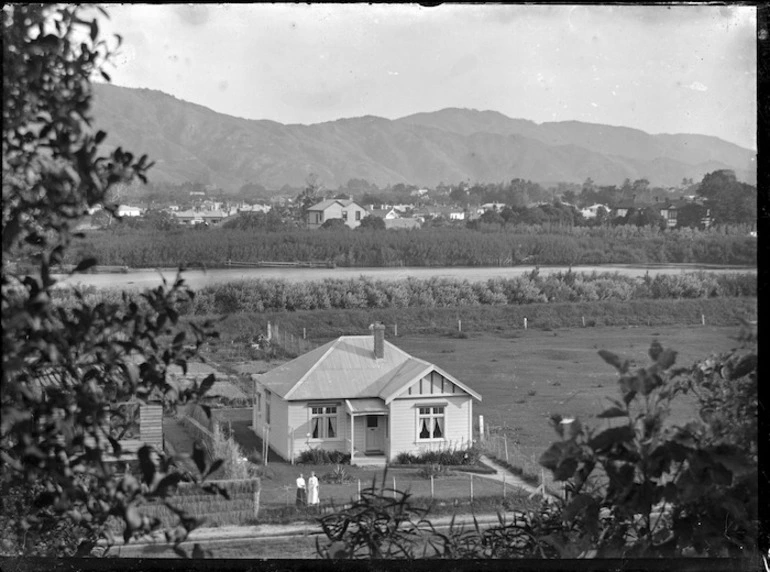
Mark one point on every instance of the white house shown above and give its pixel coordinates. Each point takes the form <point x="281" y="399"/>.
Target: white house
<point x="125" y="210"/>
<point x="349" y="211"/>
<point x="593" y="210"/>
<point x="364" y="396"/>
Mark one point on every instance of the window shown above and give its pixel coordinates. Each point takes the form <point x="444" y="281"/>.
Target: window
<point x="323" y="422"/>
<point x="430" y="423"/>
<point x="345" y="215"/>
<point x="267" y="407"/>
<point x="358" y="215"/>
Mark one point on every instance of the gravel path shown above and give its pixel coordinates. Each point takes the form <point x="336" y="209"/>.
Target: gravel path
<point x="514" y="480"/>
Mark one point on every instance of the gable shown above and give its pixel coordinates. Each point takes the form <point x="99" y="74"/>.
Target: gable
<point x="432" y="383"/>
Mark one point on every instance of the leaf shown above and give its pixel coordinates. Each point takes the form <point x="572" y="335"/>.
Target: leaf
<point x="167" y="482"/>
<point x="655" y="350"/>
<point x="146" y="463"/>
<point x="613" y="360"/>
<point x="609" y="437"/>
<point x="666" y="359"/>
<point x="206" y="384"/>
<point x="85" y="264"/>
<point x="214" y="466"/>
<point x="199" y="456"/>
<point x="612" y="412"/>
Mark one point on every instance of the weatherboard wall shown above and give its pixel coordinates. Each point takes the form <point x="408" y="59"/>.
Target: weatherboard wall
<point x="404" y="414"/>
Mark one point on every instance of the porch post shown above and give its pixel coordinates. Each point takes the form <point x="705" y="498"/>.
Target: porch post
<point x="352" y="436"/>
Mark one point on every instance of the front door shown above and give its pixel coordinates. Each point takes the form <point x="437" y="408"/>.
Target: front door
<point x="375" y="433"/>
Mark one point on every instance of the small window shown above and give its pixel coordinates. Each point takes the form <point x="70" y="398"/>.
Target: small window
<point x="345" y="215"/>
<point x="323" y="422"/>
<point x="430" y="423"/>
<point x="358" y="215"/>
<point x="371" y="421"/>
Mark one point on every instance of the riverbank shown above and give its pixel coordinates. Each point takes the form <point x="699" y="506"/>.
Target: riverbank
<point x="142" y="278"/>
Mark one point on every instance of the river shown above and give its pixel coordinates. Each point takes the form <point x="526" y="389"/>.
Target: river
<point x="149" y="278"/>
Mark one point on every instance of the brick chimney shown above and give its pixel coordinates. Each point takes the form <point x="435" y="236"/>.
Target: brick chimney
<point x="378" y="331"/>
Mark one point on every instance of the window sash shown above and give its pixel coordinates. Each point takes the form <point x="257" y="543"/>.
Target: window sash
<point x="323" y="422"/>
<point x="430" y="423"/>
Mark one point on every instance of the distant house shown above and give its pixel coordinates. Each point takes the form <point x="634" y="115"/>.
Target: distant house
<point x="621" y="208"/>
<point x="128" y="211"/>
<point x="349" y="211"/>
<point x="497" y="207"/>
<point x="385" y="214"/>
<point x="192" y="217"/>
<point x="593" y="210"/>
<point x="364" y="396"/>
<point x="669" y="209"/>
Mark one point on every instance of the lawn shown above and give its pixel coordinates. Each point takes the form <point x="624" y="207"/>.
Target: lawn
<point x="525" y="376"/>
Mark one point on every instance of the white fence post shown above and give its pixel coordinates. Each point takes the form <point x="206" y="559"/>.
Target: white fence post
<point x="431" y="487"/>
<point x="525" y="323"/>
<point x="471" y="474"/>
<point x="359" y="489"/>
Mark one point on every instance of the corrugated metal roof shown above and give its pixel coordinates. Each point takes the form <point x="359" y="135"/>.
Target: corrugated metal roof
<point x="347" y="369"/>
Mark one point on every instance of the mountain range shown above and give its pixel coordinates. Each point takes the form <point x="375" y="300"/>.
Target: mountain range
<point x="190" y="142"/>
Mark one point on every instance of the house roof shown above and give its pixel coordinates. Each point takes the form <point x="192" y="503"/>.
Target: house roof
<point x="346" y="368"/>
<point x="323" y="205"/>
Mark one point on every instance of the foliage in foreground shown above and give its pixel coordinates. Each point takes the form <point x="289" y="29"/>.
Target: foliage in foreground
<point x="636" y="488"/>
<point x="67" y="371"/>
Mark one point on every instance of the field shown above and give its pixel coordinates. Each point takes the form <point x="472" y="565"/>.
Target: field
<point x="524" y="376"/>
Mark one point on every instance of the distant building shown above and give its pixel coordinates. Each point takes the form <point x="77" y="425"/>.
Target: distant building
<point x="349" y="211"/>
<point x="497" y="207"/>
<point x="127" y="211"/>
<point x="593" y="210"/>
<point x="385" y="214"/>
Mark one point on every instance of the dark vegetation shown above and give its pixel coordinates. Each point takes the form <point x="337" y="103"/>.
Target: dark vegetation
<point x="637" y="488"/>
<point x="65" y="374"/>
<point x="437" y="246"/>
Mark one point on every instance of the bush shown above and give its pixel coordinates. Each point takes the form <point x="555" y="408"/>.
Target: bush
<point x="451" y="457"/>
<point x="315" y="456"/>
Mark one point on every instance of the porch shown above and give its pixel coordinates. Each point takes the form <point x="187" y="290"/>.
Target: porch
<point x="369" y="442"/>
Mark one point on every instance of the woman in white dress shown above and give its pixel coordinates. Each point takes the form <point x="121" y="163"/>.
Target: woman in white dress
<point x="312" y="490"/>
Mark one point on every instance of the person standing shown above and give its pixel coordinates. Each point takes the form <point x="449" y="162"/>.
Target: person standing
<point x="301" y="491"/>
<point x="312" y="490"/>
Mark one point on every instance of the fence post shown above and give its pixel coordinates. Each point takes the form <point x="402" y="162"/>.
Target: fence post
<point x="431" y="487"/>
<point x="471" y="474"/>
<point x="359" y="489"/>
<point x="525" y="323"/>
<point x="703" y="319"/>
<point x="304" y="334"/>
<point x="395" y="330"/>
<point x="505" y="440"/>
<point x="394" y="487"/>
<point x="459" y="325"/>
<point x="256" y="501"/>
<point x="481" y="427"/>
<point x="584" y="321"/>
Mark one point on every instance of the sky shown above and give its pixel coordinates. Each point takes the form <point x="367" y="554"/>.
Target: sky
<point x="662" y="69"/>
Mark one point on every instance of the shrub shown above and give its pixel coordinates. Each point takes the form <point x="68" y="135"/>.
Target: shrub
<point x="338" y="476"/>
<point x="316" y="456"/>
<point x="452" y="456"/>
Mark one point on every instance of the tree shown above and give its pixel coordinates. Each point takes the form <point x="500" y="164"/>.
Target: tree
<point x="729" y="200"/>
<point x="371" y="222"/>
<point x="309" y="196"/>
<point x="690" y="215"/>
<point x="334" y="224"/>
<point x="641" y="487"/>
<point x="66" y="371"/>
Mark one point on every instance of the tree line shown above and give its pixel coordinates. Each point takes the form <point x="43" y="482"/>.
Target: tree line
<point x="365" y="293"/>
<point x="437" y="246"/>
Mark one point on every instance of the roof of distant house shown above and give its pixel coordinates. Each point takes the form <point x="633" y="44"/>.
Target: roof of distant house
<point x="323" y="205"/>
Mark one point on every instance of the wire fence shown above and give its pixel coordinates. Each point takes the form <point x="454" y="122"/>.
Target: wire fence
<point x="496" y="443"/>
